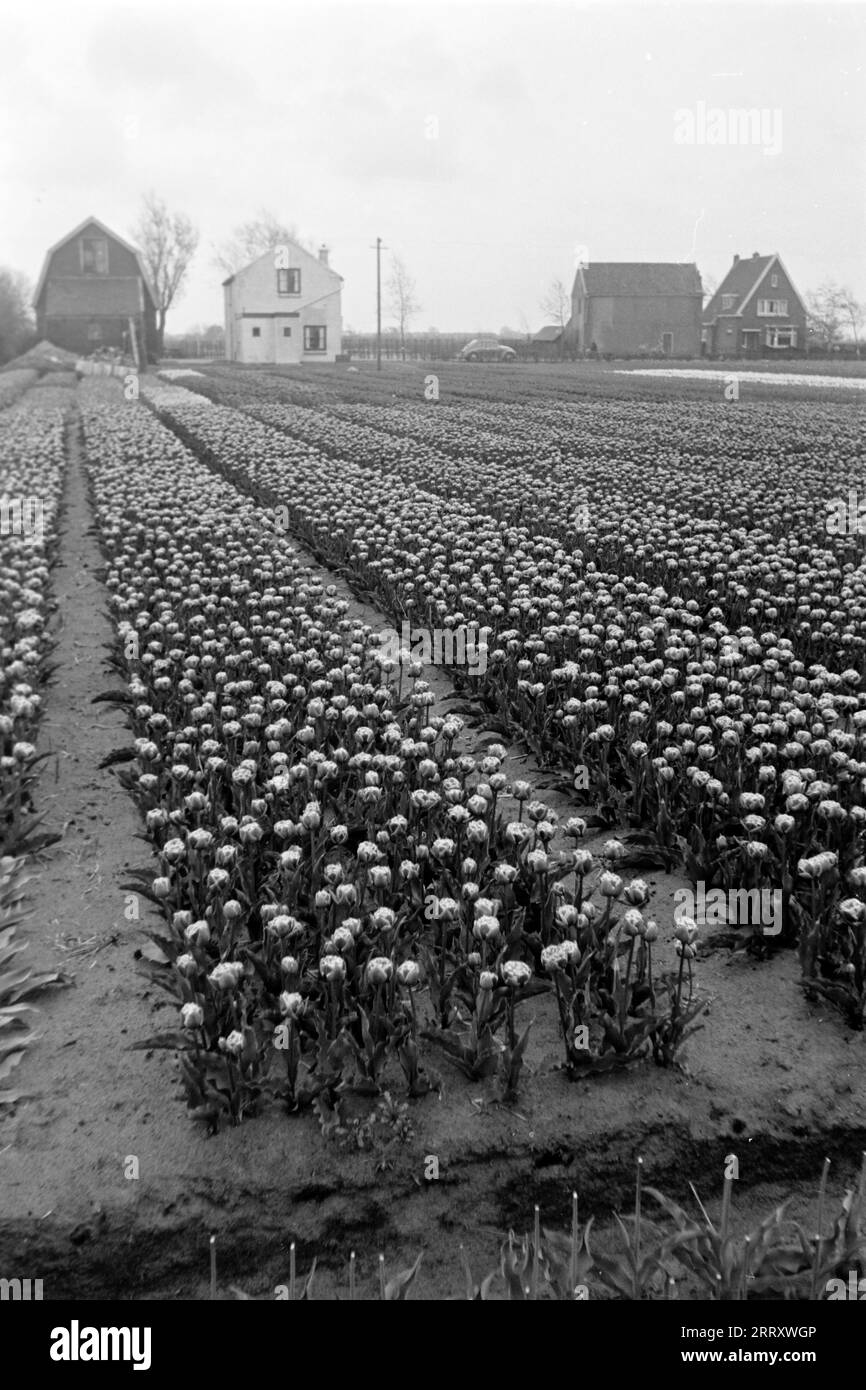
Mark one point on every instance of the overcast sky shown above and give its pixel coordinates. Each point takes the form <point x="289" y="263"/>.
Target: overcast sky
<point x="485" y="143"/>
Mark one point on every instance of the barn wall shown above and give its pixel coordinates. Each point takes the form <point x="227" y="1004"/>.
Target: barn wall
<point x="71" y="333"/>
<point x="67" y="258"/>
<point x="631" y="324"/>
<point x="70" y="300"/>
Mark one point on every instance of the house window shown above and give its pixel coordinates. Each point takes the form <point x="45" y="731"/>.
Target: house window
<point x="94" y="332"/>
<point x="774" y="282"/>
<point x="772" y="308"/>
<point x="781" y="337"/>
<point x="729" y="301"/>
<point x="257" y="332"/>
<point x="94" y="256"/>
<point x="315" y="339"/>
<point x="288" y="282"/>
<point x="287" y="332"/>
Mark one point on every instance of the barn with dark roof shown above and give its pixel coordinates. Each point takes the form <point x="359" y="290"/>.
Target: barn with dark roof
<point x="632" y="308"/>
<point x="94" y="292"/>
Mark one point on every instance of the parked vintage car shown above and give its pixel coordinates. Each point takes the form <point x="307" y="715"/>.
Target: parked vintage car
<point x="487" y="350"/>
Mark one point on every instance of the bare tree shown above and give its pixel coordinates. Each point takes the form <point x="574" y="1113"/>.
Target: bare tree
<point x="401" y="299"/>
<point x="16" y="321"/>
<point x="556" y="305"/>
<point x="853" y="310"/>
<point x="168" y="242"/>
<point x="824" y="314"/>
<point x="251" y="239"/>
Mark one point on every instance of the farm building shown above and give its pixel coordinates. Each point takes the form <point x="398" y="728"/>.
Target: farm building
<point x="626" y="308"/>
<point x="755" y="312"/>
<point x="94" y="292"/>
<point x="548" y="342"/>
<point x="284" y="307"/>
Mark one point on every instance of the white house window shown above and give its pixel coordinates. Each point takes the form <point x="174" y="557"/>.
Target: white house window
<point x="772" y="308"/>
<point x="315" y="339"/>
<point x="781" y="337"/>
<point x="288" y="282"/>
<point x="774" y="282"/>
<point x="94" y="332"/>
<point x="257" y="332"/>
<point x="94" y="256"/>
<point x="287" y="332"/>
<point x="729" y="301"/>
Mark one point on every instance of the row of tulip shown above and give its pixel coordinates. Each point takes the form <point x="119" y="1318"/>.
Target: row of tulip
<point x="770" y="471"/>
<point x="621" y="431"/>
<point x="32" y="472"/>
<point x="660" y="1251"/>
<point x="724" y="707"/>
<point x="341" y="883"/>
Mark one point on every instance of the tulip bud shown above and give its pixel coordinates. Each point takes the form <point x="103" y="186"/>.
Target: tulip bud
<point x="516" y="973"/>
<point x="332" y="968"/>
<point x="408" y="973"/>
<point x="291" y="1004"/>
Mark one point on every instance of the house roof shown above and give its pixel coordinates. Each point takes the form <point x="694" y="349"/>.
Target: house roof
<point x="740" y="280"/>
<point x="606" y="279"/>
<point x="549" y="334"/>
<point x="76" y="231"/>
<point x="288" y="241"/>
<point x="73" y="297"/>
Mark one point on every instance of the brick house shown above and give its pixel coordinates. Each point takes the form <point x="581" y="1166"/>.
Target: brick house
<point x="285" y="306"/>
<point x="94" y="292"/>
<point x="628" y="308"/>
<point x="755" y="312"/>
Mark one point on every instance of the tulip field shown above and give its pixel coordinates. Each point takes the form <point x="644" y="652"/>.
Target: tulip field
<point x="340" y="883"/>
<point x="357" y="901"/>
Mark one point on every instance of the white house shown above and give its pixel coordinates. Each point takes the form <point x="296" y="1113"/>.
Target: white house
<point x="284" y="307"/>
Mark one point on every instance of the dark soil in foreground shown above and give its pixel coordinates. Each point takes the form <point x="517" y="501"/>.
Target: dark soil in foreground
<point x="771" y="1078"/>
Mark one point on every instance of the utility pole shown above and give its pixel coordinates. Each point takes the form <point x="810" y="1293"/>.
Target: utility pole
<point x="379" y="249"/>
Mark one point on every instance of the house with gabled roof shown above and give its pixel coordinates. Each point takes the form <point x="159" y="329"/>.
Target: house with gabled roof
<point x="755" y="312"/>
<point x="285" y="306"/>
<point x="94" y="292"/>
<point x="633" y="308"/>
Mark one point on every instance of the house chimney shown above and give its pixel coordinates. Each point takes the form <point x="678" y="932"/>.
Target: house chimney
<point x="755" y="255"/>
<point x="736" y="260"/>
<point x="323" y="254"/>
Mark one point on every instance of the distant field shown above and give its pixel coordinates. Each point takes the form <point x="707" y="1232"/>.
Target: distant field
<point x="538" y="382"/>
